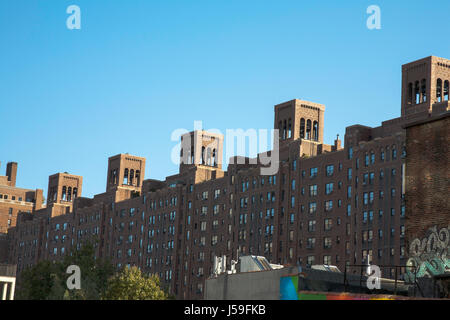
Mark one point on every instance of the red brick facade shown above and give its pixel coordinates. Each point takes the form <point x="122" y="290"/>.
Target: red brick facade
<point x="12" y="201"/>
<point x="427" y="175"/>
<point x="326" y="204"/>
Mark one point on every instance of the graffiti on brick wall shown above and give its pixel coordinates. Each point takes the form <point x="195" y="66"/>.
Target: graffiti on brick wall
<point x="430" y="255"/>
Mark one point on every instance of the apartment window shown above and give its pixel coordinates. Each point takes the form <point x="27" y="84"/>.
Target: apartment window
<point x="349" y="173"/>
<point x="291" y="235"/>
<point x="292" y="202"/>
<point x="312" y="207"/>
<point x="329" y="188"/>
<point x="349" y="210"/>
<point x="328" y="205"/>
<point x="364" y="236"/>
<point x="349" y="192"/>
<point x="327" y="242"/>
<point x="293" y="184"/>
<point x="394" y="154"/>
<point x="327" y="260"/>
<point x="393" y="172"/>
<point x="313" y="172"/>
<point x="328" y="223"/>
<point x="364" y="255"/>
<point x="372" y="157"/>
<point x="330" y="170"/>
<point x="365" y="178"/>
<point x="291" y="253"/>
<point x="310" y="243"/>
<point x="310" y="260"/>
<point x="312" y="225"/>
<point x="370" y="235"/>
<point x="365" y="198"/>
<point x="393" y="192"/>
<point x="313" y="190"/>
<point x="371" y="177"/>
<point x="350" y="153"/>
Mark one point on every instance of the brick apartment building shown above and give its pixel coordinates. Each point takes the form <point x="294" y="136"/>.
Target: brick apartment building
<point x="12" y="201"/>
<point x="327" y="204"/>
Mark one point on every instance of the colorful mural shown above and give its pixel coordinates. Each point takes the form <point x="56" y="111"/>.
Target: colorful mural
<point x="289" y="291"/>
<point x="429" y="255"/>
<point x="289" y="288"/>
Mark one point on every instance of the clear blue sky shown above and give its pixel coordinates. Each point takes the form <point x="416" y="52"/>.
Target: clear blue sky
<point x="139" y="69"/>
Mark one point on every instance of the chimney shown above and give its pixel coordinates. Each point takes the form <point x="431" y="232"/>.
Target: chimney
<point x="337" y="143"/>
<point x="11" y="173"/>
<point x="39" y="197"/>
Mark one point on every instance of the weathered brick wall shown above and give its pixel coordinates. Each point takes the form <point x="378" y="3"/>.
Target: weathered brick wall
<point x="427" y="176"/>
<point x="427" y="201"/>
<point x="3" y="248"/>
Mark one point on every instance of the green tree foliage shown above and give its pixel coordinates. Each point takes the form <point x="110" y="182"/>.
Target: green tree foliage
<point x="47" y="280"/>
<point x="131" y="284"/>
<point x="94" y="273"/>
<point x="36" y="283"/>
